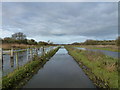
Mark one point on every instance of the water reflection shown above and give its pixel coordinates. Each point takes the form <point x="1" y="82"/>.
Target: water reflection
<point x="61" y="71"/>
<point x="11" y="62"/>
<point x="21" y="58"/>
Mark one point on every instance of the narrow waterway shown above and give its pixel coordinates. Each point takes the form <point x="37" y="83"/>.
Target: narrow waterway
<point x="61" y="71"/>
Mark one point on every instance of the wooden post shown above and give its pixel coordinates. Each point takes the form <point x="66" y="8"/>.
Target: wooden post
<point x="1" y="67"/>
<point x="43" y="51"/>
<point x="11" y="55"/>
<point x="27" y="53"/>
<point x="31" y="53"/>
<point x="17" y="63"/>
<point x="1" y="58"/>
<point x="36" y="51"/>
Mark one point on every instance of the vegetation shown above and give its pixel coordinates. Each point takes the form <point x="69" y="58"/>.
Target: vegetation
<point x="99" y="42"/>
<point x="100" y="68"/>
<point x="113" y="48"/>
<point x="21" y="38"/>
<point x="18" y="38"/>
<point x="13" y="79"/>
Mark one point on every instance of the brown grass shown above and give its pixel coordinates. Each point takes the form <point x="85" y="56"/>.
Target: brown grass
<point x="111" y="67"/>
<point x="94" y="56"/>
<point x="8" y="46"/>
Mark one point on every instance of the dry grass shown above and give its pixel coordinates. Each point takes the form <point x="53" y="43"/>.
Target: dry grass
<point x="8" y="46"/>
<point x="108" y="46"/>
<point x="111" y="67"/>
<point x="94" y="56"/>
<point x="103" y="46"/>
<point x="104" y="67"/>
<point x="98" y="56"/>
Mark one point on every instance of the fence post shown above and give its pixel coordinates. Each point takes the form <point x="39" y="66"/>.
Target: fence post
<point x="17" y="62"/>
<point x="1" y="58"/>
<point x="43" y="50"/>
<point x="36" y="51"/>
<point x="11" y="55"/>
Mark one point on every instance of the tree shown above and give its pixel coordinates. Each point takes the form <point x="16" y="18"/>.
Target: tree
<point x="90" y="42"/>
<point x="32" y="42"/>
<point x="8" y="40"/>
<point x="43" y="43"/>
<point x="19" y="36"/>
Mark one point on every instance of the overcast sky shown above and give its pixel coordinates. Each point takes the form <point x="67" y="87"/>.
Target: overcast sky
<point x="61" y="22"/>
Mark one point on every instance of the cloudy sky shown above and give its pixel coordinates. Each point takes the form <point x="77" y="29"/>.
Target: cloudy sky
<point x="59" y="22"/>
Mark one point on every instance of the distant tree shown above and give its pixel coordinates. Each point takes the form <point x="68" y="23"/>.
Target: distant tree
<point x="49" y="42"/>
<point x="8" y="40"/>
<point x="43" y="43"/>
<point x="75" y="43"/>
<point x="31" y="42"/>
<point x="90" y="42"/>
<point x="19" y="36"/>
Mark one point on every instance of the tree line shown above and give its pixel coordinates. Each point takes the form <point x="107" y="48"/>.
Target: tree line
<point x="20" y="38"/>
<point x="99" y="42"/>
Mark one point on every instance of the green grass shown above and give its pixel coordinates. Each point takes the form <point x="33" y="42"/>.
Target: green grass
<point x="103" y="67"/>
<point x="13" y="79"/>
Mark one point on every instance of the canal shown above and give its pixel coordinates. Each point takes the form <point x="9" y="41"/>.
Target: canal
<point x="61" y="71"/>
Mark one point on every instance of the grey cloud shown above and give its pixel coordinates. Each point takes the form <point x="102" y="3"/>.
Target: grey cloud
<point x="59" y="20"/>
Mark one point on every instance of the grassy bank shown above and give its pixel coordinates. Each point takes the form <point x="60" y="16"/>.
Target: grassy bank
<point x="101" y="69"/>
<point x="13" y="79"/>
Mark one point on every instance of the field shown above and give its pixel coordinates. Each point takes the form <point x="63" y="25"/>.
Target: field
<point x="102" y="47"/>
<point x="8" y="46"/>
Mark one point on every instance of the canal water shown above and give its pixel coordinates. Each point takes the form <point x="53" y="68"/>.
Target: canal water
<point x="61" y="71"/>
<point x="109" y="53"/>
<point x="19" y="59"/>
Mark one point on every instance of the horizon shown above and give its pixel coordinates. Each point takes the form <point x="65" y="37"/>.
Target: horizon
<point x="61" y="22"/>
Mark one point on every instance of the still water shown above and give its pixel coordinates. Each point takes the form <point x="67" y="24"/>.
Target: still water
<point x="20" y="58"/>
<point x="61" y="71"/>
<point x="109" y="53"/>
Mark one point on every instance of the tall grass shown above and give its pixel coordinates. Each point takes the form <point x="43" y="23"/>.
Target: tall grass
<point x="103" y="67"/>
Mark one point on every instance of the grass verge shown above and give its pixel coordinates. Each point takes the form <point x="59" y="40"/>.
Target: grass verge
<point x="13" y="79"/>
<point x="101" y="69"/>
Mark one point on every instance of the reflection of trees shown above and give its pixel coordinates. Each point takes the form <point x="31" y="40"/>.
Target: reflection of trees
<point x="17" y="63"/>
<point x="11" y="62"/>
